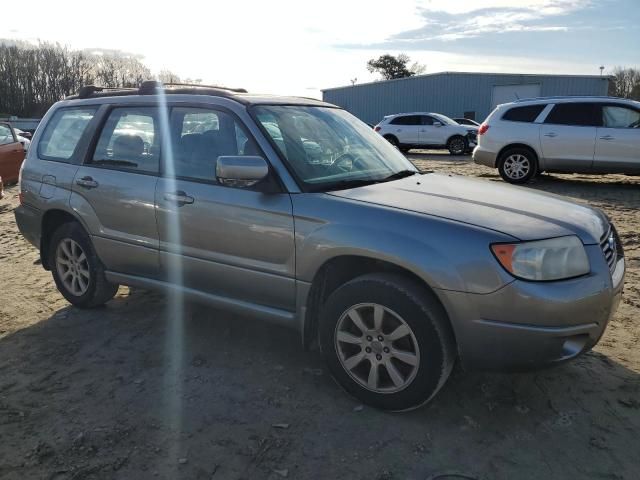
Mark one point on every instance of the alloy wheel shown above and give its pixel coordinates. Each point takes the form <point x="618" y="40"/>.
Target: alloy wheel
<point x="72" y="267"/>
<point x="516" y="166"/>
<point x="377" y="348"/>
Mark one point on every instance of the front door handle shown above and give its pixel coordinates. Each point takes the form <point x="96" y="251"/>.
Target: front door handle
<point x="180" y="198"/>
<point x="607" y="137"/>
<point x="87" y="182"/>
<point x="551" y="135"/>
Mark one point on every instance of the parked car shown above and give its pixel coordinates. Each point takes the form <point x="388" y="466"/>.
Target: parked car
<point x="395" y="274"/>
<point x="23" y="138"/>
<point x="23" y="134"/>
<point x="11" y="153"/>
<point x="426" y="130"/>
<point x="561" y="134"/>
<point x="466" y="121"/>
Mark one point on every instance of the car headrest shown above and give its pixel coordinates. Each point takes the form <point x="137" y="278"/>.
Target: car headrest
<point x="128" y="146"/>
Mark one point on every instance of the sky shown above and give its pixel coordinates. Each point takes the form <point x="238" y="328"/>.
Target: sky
<point x="300" y="47"/>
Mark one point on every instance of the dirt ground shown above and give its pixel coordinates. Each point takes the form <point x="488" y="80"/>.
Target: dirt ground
<point x="130" y="391"/>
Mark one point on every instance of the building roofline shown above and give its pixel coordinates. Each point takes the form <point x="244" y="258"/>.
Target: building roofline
<point x="378" y="82"/>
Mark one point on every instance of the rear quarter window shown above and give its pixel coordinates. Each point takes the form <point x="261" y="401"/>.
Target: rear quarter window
<point x="63" y="133"/>
<point x="526" y="114"/>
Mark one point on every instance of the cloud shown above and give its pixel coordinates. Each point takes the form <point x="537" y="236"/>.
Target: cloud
<point x="444" y="22"/>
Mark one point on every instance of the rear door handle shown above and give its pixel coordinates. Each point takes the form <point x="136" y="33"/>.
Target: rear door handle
<point x="607" y="137"/>
<point x="551" y="135"/>
<point x="87" y="182"/>
<point x="180" y="198"/>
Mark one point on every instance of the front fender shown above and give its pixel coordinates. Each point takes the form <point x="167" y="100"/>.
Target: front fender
<point x="445" y="254"/>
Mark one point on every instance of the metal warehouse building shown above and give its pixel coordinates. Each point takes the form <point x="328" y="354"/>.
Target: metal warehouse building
<point x="456" y="94"/>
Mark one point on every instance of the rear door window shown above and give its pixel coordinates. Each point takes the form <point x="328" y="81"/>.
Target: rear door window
<point x="575" y="114"/>
<point x="406" y="120"/>
<point x="129" y="140"/>
<point x="63" y="133"/>
<point x="526" y="114"/>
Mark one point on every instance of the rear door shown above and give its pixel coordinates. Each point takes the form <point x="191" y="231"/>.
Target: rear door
<point x="568" y="136"/>
<point x="11" y="154"/>
<point x="231" y="241"/>
<point x="618" y="140"/>
<point x="407" y="128"/>
<point x="114" y="190"/>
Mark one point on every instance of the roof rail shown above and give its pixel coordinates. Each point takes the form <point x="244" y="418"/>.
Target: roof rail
<point x="153" y="87"/>
<point x="88" y="90"/>
<point x="561" y="97"/>
<point x="176" y="84"/>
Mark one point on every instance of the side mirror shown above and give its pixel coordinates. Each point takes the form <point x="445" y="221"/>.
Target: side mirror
<point x="437" y="124"/>
<point x="240" y="170"/>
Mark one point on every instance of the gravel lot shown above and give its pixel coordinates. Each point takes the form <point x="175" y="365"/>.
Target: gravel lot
<point x="126" y="391"/>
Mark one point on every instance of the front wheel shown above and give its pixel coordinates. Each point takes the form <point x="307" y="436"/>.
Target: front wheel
<point x="457" y="145"/>
<point x="387" y="341"/>
<point x="77" y="270"/>
<point x="517" y="166"/>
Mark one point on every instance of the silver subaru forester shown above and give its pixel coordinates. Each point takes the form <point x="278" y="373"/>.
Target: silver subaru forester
<point x="294" y="211"/>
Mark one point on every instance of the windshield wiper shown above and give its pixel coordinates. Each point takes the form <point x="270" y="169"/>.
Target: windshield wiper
<point x="345" y="184"/>
<point x="398" y="175"/>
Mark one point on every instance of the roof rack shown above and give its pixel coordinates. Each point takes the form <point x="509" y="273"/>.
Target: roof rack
<point x="153" y="87"/>
<point x="88" y="90"/>
<point x="561" y="97"/>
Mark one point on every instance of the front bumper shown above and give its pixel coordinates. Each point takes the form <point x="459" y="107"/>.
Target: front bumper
<point x="528" y="325"/>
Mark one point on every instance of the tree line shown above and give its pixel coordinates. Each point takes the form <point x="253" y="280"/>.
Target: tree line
<point x="33" y="77"/>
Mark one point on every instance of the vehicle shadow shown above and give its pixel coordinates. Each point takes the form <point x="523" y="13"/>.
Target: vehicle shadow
<point x="137" y="389"/>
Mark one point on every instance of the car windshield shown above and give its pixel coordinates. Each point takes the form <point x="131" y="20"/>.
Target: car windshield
<point x="328" y="148"/>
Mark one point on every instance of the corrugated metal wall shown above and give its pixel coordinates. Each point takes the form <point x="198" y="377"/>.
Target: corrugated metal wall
<point x="449" y="93"/>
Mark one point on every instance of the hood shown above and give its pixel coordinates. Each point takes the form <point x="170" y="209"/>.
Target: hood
<point x="516" y="211"/>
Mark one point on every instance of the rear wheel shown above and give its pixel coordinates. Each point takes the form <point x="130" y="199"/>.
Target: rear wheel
<point x="457" y="145"/>
<point x="392" y="140"/>
<point x="517" y="166"/>
<point x="386" y="341"/>
<point x="77" y="270"/>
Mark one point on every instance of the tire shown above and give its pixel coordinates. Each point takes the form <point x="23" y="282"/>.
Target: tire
<point x="518" y="166"/>
<point x="392" y="140"/>
<point x="425" y="334"/>
<point x="457" y="145"/>
<point x="66" y="247"/>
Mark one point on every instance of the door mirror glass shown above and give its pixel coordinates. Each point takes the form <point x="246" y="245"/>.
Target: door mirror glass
<point x="240" y="170"/>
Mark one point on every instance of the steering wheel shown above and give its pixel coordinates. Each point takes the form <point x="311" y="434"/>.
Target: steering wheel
<point x="346" y="161"/>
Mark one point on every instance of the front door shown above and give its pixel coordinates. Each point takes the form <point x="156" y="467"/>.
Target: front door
<point x="618" y="140"/>
<point x="114" y="191"/>
<point x="11" y="154"/>
<point x="568" y="136"/>
<point x="433" y="132"/>
<point x="237" y="243"/>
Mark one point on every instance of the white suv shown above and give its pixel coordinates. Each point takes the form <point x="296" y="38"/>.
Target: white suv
<point x="561" y="134"/>
<point x="427" y="130"/>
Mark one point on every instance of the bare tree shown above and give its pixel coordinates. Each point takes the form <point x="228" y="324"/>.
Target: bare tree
<point x="625" y="83"/>
<point x="32" y="77"/>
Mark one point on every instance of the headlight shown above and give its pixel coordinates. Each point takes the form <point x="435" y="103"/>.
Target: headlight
<point x="553" y="259"/>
